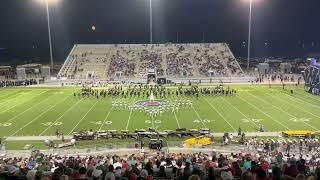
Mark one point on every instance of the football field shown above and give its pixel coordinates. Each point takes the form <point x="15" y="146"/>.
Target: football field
<point x="40" y="111"/>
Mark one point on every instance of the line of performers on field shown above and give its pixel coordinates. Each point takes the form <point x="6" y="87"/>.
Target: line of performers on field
<point x="144" y="91"/>
<point x="153" y="111"/>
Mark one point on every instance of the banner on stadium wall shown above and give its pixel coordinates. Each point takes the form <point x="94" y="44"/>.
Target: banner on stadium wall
<point x="311" y="77"/>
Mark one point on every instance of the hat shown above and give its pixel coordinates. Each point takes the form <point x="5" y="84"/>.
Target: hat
<point x="96" y="173"/>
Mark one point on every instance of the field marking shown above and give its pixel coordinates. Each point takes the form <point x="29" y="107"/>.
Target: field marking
<point x="239" y="111"/>
<point x="176" y="119"/>
<point x="27" y="109"/>
<point x="263" y="112"/>
<point x="175" y="114"/>
<point x="105" y="119"/>
<point x="300" y="110"/>
<point x="280" y="109"/>
<point x="219" y="114"/>
<point x="128" y="121"/>
<point x="60" y="117"/>
<point x="23" y="102"/>
<point x="199" y="117"/>
<point x="18" y="93"/>
<point x="9" y="94"/>
<point x="299" y="107"/>
<point x="8" y="101"/>
<point x="309" y="96"/>
<point x="299" y="99"/>
<point x="83" y="117"/>
<point x="52" y="106"/>
<point x="152" y="121"/>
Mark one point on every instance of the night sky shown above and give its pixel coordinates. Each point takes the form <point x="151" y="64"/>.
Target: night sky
<point x="279" y="27"/>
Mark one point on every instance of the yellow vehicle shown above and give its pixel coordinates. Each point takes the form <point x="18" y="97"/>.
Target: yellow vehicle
<point x="297" y="133"/>
<point x="198" y="141"/>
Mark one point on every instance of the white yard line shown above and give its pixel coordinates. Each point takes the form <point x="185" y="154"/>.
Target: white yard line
<point x="309" y="96"/>
<point x="281" y="110"/>
<point x="304" y="102"/>
<point x="199" y="117"/>
<point x="8" y="100"/>
<point x="83" y="117"/>
<point x="23" y="102"/>
<point x="175" y="115"/>
<point x="60" y="117"/>
<point x="26" y="110"/>
<point x="152" y="120"/>
<point x="239" y="111"/>
<point x="176" y="119"/>
<point x="128" y="122"/>
<point x="219" y="114"/>
<point x="52" y="106"/>
<point x="129" y="118"/>
<point x="106" y="118"/>
<point x="298" y="107"/>
<point x="9" y="94"/>
<point x="262" y="112"/>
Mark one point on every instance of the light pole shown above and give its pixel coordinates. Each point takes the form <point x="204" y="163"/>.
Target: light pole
<point x="49" y="33"/>
<point x="150" y="22"/>
<point x="249" y="35"/>
<point x="47" y="2"/>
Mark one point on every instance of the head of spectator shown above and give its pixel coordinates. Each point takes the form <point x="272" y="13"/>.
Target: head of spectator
<point x="260" y="174"/>
<point x="194" y="177"/>
<point x="276" y="173"/>
<point x="226" y="174"/>
<point x="246" y="176"/>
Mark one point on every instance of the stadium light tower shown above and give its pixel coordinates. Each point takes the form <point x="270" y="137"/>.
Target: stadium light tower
<point x="150" y="21"/>
<point x="249" y="35"/>
<point x="47" y="2"/>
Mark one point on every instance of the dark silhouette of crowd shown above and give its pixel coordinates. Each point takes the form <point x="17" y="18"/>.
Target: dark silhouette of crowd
<point x="13" y="83"/>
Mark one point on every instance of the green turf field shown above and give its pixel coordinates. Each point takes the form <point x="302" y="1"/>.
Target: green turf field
<point x="40" y="111"/>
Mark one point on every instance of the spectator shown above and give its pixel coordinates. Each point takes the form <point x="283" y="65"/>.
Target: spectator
<point x="110" y="174"/>
<point x="292" y="169"/>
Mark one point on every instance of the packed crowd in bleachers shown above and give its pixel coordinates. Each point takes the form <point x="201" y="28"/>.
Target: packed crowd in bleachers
<point x="291" y="159"/>
<point x="195" y="166"/>
<point x="135" y="60"/>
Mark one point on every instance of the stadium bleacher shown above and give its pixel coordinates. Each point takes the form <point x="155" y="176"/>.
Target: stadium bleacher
<point x="93" y="61"/>
<point x="188" y="166"/>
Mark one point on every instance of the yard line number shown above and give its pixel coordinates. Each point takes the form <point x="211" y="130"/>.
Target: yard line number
<point x="5" y="124"/>
<point x="248" y="120"/>
<point x="202" y="121"/>
<point x="52" y="124"/>
<point x="101" y="122"/>
<point x="155" y="121"/>
<point x="295" y="119"/>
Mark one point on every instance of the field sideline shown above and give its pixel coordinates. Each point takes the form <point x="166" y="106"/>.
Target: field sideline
<point x="40" y="111"/>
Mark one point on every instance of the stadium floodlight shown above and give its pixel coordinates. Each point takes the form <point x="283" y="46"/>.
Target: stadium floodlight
<point x="47" y="2"/>
<point x="249" y="35"/>
<point x="150" y="21"/>
<point x="249" y="31"/>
